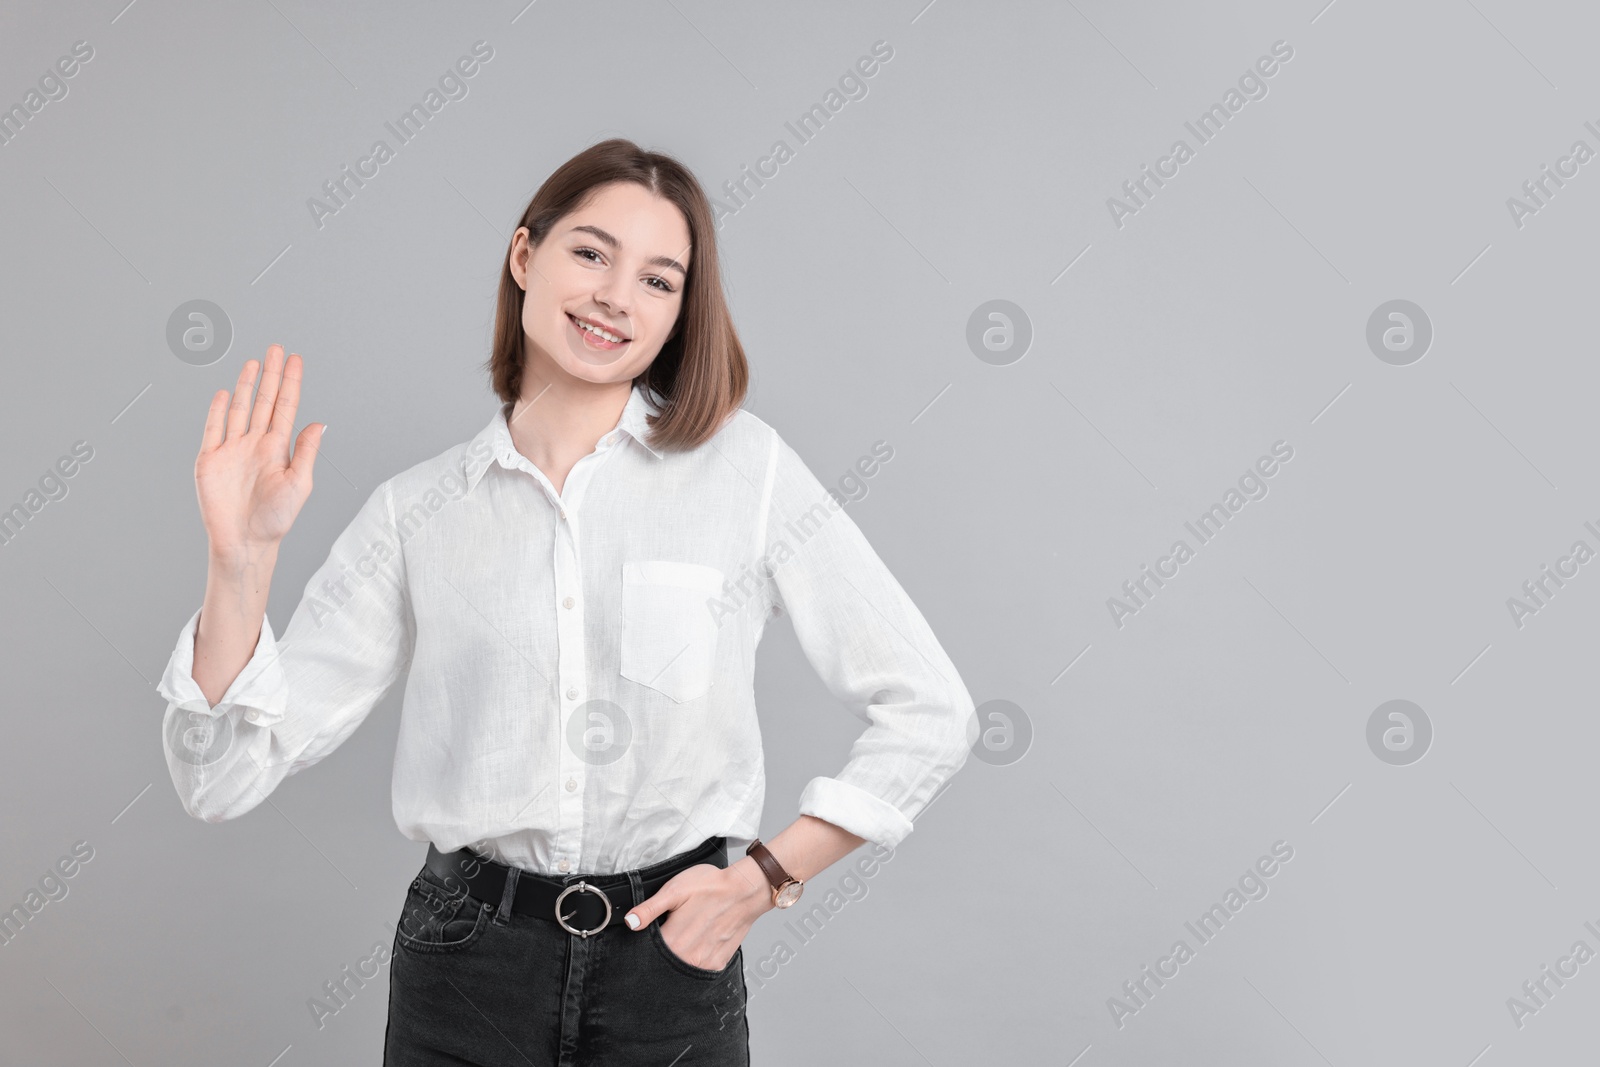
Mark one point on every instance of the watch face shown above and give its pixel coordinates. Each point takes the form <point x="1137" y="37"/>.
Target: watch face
<point x="789" y="894"/>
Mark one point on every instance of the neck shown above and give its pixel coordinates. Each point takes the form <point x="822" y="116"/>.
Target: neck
<point x="556" y="423"/>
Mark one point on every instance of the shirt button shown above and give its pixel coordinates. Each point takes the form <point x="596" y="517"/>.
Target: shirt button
<point x="571" y="784"/>
<point x="572" y="694"/>
<point x="563" y="866"/>
<point x="567" y="603"/>
<point x="253" y="715"/>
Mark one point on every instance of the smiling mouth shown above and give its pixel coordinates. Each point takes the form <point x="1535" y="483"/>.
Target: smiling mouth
<point x="602" y="334"/>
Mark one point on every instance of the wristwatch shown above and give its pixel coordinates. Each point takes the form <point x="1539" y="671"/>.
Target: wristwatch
<point x="785" y="890"/>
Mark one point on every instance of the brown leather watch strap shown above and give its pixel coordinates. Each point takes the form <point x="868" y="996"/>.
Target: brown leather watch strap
<point x="769" y="864"/>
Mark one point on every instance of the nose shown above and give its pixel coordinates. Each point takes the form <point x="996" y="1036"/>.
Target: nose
<point x="610" y="294"/>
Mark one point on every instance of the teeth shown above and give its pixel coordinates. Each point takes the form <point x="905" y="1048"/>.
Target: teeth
<point x="613" y="338"/>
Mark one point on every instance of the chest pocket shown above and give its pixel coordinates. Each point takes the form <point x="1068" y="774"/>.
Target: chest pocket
<point x="669" y="635"/>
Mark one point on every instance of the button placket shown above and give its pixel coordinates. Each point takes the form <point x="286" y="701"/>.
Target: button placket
<point x="572" y="655"/>
<point x="572" y="662"/>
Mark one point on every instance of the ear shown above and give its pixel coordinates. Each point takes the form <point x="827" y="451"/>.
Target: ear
<point x="519" y="263"/>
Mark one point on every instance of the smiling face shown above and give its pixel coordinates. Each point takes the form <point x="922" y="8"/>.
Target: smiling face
<point x="618" y="263"/>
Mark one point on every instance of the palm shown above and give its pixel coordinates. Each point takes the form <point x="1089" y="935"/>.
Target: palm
<point x="250" y="485"/>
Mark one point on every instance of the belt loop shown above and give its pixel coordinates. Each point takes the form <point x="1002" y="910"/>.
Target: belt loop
<point x="636" y="884"/>
<point x="503" y="915"/>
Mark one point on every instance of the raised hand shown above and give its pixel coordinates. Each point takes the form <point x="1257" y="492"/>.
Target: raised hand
<point x="250" y="487"/>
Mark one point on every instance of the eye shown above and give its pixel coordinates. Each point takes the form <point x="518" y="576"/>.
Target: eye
<point x="665" y="286"/>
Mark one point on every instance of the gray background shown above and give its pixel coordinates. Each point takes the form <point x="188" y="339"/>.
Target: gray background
<point x="1229" y="313"/>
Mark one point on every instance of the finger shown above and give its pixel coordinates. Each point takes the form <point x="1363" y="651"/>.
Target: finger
<point x="267" y="394"/>
<point x="306" y="447"/>
<point x="283" y="412"/>
<point x="663" y="900"/>
<point x="238" y="411"/>
<point x="211" y="436"/>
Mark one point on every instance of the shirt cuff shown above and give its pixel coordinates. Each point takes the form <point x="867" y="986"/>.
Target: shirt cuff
<point x="856" y="810"/>
<point x="261" y="685"/>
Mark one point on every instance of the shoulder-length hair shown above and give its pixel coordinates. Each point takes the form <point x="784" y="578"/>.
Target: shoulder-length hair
<point x="700" y="376"/>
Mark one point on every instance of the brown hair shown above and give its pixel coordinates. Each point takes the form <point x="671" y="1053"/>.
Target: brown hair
<point x="700" y="375"/>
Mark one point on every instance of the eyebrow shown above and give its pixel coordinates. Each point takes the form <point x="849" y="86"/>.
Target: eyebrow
<point x="664" y="262"/>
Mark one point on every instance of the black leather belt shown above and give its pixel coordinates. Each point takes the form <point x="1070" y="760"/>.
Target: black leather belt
<point x="582" y="904"/>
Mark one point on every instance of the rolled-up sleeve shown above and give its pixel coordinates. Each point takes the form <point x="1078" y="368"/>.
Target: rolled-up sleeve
<point x="873" y="650"/>
<point x="298" y="699"/>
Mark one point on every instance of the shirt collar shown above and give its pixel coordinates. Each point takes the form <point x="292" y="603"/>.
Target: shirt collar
<point x="497" y="435"/>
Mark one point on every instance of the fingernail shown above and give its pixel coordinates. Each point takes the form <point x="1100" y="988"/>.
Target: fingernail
<point x="632" y="920"/>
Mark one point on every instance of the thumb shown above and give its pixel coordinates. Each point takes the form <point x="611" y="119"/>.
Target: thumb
<point x="306" y="446"/>
<point x="663" y="900"/>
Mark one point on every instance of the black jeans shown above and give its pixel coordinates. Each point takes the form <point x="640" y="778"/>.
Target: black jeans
<point x="470" y="984"/>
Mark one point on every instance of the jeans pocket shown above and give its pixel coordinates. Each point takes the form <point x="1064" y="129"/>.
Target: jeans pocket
<point x="439" y="917"/>
<point x="704" y="974"/>
<point x="669" y="634"/>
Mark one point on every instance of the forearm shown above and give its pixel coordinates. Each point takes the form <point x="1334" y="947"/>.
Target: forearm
<point x="805" y="848"/>
<point x="237" y="584"/>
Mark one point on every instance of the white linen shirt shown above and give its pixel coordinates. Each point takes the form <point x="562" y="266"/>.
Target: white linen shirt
<point x="579" y="665"/>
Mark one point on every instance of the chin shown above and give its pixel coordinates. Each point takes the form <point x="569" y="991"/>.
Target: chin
<point x="598" y="374"/>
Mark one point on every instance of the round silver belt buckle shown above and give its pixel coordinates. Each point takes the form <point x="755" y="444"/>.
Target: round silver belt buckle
<point x="586" y="888"/>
